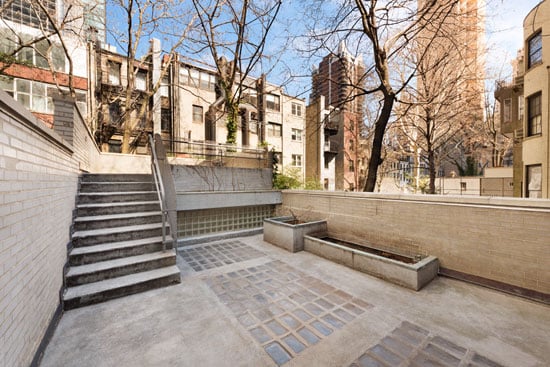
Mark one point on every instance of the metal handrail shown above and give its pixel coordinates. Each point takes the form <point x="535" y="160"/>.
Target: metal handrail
<point x="159" y="185"/>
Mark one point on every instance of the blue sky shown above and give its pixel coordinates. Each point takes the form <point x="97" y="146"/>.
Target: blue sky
<point x="505" y="30"/>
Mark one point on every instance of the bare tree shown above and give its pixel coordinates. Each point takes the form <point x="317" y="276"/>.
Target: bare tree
<point x="381" y="31"/>
<point x="132" y="25"/>
<point x="47" y="47"/>
<point x="234" y="34"/>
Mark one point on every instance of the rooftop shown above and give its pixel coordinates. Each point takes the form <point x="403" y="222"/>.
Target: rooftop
<point x="244" y="302"/>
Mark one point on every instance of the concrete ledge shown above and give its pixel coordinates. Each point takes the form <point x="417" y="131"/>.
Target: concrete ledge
<point x="226" y="199"/>
<point x="182" y="242"/>
<point x="290" y="236"/>
<point x="413" y="276"/>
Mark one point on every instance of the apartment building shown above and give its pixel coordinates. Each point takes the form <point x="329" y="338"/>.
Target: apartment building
<point x="34" y="65"/>
<point x="536" y="88"/>
<point x="334" y="120"/>
<point x="268" y="117"/>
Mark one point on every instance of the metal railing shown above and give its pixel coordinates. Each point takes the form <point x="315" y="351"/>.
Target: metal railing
<point x="216" y="153"/>
<point x="159" y="186"/>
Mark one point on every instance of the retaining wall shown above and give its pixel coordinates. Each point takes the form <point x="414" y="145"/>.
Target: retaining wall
<point x="499" y="242"/>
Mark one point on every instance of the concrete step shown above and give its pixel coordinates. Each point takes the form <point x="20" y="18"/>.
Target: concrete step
<point x="116" y="186"/>
<point x="83" y="274"/>
<point x="104" y="290"/>
<point x="115" y="177"/>
<point x="116" y="220"/>
<point x="85" y="210"/>
<point x="117" y="234"/>
<point x="116" y="197"/>
<point x="108" y="251"/>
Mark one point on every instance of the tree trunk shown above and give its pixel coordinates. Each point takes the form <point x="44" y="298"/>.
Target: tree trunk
<point x="376" y="153"/>
<point x="431" y="166"/>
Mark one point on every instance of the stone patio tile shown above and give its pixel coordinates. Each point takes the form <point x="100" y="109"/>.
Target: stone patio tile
<point x="277" y="353"/>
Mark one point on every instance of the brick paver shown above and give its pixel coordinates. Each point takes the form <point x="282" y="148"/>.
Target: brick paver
<point x="411" y="345"/>
<point x="284" y="309"/>
<point x="209" y="256"/>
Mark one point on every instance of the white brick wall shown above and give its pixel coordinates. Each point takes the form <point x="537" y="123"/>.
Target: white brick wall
<point x="501" y="239"/>
<point x="38" y="185"/>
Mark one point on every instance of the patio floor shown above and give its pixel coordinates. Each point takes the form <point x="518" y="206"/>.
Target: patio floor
<point x="244" y="302"/>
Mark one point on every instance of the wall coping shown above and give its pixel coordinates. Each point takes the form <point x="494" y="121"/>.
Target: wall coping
<point x="480" y="201"/>
<point x="23" y="116"/>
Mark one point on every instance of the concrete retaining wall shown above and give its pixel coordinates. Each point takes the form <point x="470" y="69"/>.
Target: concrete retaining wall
<point x="505" y="241"/>
<point x="202" y="178"/>
<point x="38" y="185"/>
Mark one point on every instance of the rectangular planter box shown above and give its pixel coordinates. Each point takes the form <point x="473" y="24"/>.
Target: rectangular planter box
<point x="413" y="276"/>
<point x="290" y="236"/>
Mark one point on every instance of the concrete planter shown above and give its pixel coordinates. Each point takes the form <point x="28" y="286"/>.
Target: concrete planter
<point x="413" y="276"/>
<point x="280" y="231"/>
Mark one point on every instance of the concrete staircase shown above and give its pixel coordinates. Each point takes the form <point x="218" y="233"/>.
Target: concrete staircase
<point x="117" y="241"/>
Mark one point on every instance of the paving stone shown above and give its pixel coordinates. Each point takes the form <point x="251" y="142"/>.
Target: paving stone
<point x="290" y="321"/>
<point x="246" y="320"/>
<point x="484" y="361"/>
<point x="367" y="361"/>
<point x="359" y="302"/>
<point x="411" y="339"/>
<point x="422" y="360"/>
<point x="416" y="328"/>
<point x="298" y="298"/>
<point x="344" y="315"/>
<point x="260" y="334"/>
<point x="337" y="300"/>
<point x="449" y="346"/>
<point x="324" y="303"/>
<point x="301" y="314"/>
<point x="322" y="328"/>
<point x="277" y="353"/>
<point x="275" y="310"/>
<point x="353" y="309"/>
<point x="308" y="336"/>
<point x="382" y="353"/>
<point x="440" y="354"/>
<point x="260" y="298"/>
<point x="313" y="309"/>
<point x="294" y="344"/>
<point x="276" y="327"/>
<point x="263" y="314"/>
<point x="396" y="346"/>
<point x="333" y="321"/>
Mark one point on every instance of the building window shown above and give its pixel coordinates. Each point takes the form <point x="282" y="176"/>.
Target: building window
<point x="115" y="113"/>
<point x="351" y="145"/>
<point x="253" y="124"/>
<point x="165" y="120"/>
<point x="164" y="92"/>
<point x="296" y="109"/>
<point x="507" y="110"/>
<point x="250" y="96"/>
<point x="534" y="45"/>
<point x="520" y="108"/>
<point x="28" y="13"/>
<point x="274" y="130"/>
<point x="351" y="165"/>
<point x="114" y="72"/>
<point x="197" y="114"/>
<point x="326" y="163"/>
<point x="197" y="78"/>
<point x="325" y="183"/>
<point x="534" y="112"/>
<point x="141" y="80"/>
<point x="534" y="181"/>
<point x="463" y="186"/>
<point x="273" y="102"/>
<point x="296" y="160"/>
<point x="296" y="135"/>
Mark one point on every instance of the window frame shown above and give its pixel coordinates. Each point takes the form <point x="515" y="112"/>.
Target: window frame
<point x="534" y="121"/>
<point x="275" y="104"/>
<point x="296" y="109"/>
<point x="528" y="178"/>
<point x="296" y="135"/>
<point x="195" y="113"/>
<point x="114" y="70"/>
<point x="271" y="130"/>
<point x="296" y="160"/>
<point x="534" y="55"/>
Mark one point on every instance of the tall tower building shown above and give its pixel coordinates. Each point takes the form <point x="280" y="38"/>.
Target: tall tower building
<point x="334" y="118"/>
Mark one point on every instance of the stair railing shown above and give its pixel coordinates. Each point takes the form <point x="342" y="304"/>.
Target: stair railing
<point x="159" y="186"/>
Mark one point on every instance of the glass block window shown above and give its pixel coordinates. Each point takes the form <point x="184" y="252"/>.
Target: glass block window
<point x="206" y="221"/>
